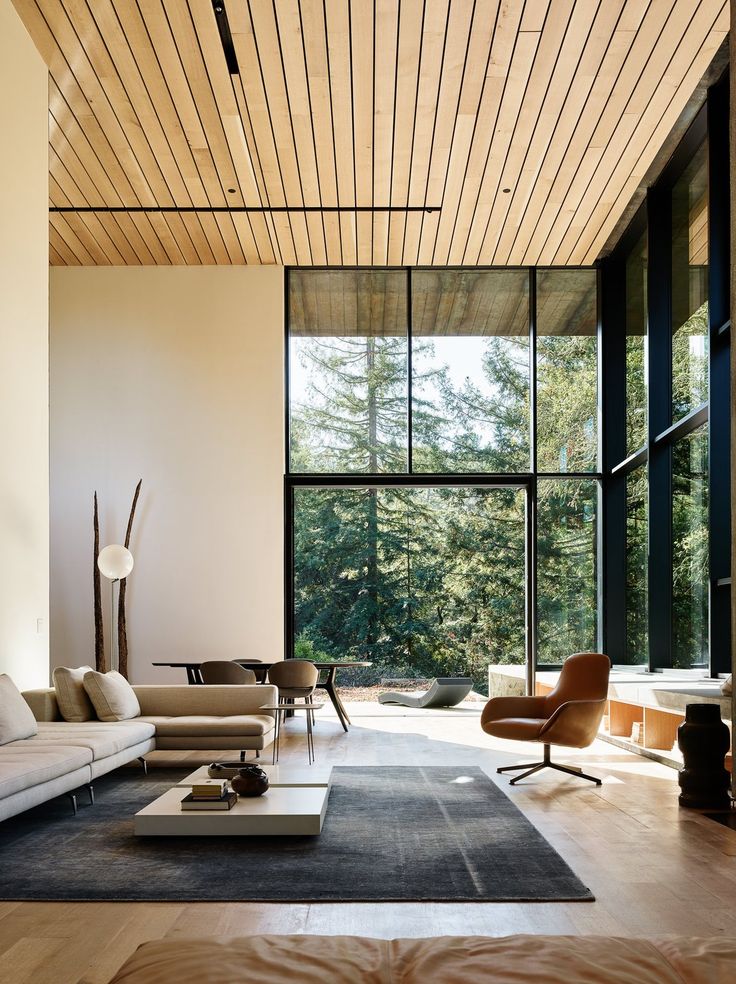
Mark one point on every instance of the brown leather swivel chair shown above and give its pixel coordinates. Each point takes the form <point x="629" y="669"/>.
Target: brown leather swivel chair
<point x="568" y="715"/>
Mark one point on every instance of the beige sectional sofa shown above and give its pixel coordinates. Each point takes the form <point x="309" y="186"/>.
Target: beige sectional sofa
<point x="65" y="756"/>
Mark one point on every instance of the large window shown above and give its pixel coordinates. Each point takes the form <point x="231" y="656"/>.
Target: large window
<point x="665" y="322"/>
<point x="470" y="362"/>
<point x="690" y="551"/>
<point x="425" y="379"/>
<point x="637" y="630"/>
<point x="690" y="286"/>
<point x="567" y="371"/>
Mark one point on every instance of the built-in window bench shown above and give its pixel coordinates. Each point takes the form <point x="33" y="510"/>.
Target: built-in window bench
<point x="644" y="710"/>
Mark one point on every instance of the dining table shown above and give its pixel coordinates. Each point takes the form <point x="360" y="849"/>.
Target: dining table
<point x="261" y="667"/>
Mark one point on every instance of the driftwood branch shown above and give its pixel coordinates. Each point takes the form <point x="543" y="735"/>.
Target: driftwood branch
<point x="122" y="628"/>
<point x="100" y="664"/>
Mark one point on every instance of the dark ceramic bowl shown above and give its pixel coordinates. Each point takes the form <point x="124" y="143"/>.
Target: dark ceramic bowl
<point x="251" y="780"/>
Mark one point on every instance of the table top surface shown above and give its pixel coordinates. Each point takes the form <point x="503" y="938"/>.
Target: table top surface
<point x="277" y="801"/>
<point x="320" y="664"/>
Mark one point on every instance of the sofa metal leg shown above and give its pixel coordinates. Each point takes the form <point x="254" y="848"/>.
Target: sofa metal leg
<point x="144" y="764"/>
<point x="91" y="793"/>
<point x="258" y="753"/>
<point x="242" y="755"/>
<point x="72" y="797"/>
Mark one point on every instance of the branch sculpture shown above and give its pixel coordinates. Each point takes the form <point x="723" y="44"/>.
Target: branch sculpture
<point x="100" y="664"/>
<point x="122" y="628"/>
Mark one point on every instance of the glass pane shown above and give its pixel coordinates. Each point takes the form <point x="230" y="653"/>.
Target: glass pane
<point x="690" y="287"/>
<point x="636" y="347"/>
<point x="423" y="582"/>
<point x="567" y="584"/>
<point x="690" y="550"/>
<point x="470" y="362"/>
<point x="348" y="371"/>
<point x="637" y="636"/>
<point x="567" y="371"/>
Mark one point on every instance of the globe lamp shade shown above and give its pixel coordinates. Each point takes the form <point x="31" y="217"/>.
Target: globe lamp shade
<point x="115" y="562"/>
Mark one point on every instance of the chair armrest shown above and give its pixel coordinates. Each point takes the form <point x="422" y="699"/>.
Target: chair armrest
<point x="513" y="707"/>
<point x="575" y="723"/>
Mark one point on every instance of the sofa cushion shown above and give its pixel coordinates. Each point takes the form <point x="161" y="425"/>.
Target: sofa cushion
<point x="28" y="762"/>
<point x="74" y="703"/>
<point x="209" y="726"/>
<point x="16" y="717"/>
<point x="102" y="738"/>
<point x="113" y="697"/>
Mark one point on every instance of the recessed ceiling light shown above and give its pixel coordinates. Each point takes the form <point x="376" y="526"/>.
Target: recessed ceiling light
<point x="506" y="190"/>
<point x="231" y="191"/>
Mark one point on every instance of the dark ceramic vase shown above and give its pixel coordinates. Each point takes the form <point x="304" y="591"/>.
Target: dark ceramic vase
<point x="251" y="780"/>
<point x="704" y="740"/>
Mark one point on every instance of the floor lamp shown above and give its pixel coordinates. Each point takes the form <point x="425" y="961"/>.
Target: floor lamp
<point x="115" y="562"/>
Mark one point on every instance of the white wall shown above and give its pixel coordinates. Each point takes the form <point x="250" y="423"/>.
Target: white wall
<point x="24" y="440"/>
<point x="175" y="376"/>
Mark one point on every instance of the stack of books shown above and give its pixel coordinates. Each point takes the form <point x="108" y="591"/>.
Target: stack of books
<point x="211" y="795"/>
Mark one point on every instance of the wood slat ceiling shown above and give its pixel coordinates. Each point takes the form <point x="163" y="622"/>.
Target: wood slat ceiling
<point x="526" y="125"/>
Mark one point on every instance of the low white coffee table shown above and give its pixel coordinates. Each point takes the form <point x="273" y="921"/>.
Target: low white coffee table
<point x="295" y="804"/>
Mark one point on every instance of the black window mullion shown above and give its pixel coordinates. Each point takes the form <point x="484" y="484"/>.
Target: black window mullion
<point x="409" y="377"/>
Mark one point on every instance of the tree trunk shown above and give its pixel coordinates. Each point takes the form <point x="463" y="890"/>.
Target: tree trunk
<point x="122" y="627"/>
<point x="100" y="663"/>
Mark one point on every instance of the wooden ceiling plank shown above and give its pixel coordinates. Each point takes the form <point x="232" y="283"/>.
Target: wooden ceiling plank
<point x="384" y="102"/>
<point x="583" y="36"/>
<point x="465" y="132"/>
<point x="618" y="71"/>
<point x="223" y="89"/>
<point x="174" y="234"/>
<point x="61" y="236"/>
<point x="93" y="248"/>
<point x="138" y="243"/>
<point x="502" y="48"/>
<point x="198" y="237"/>
<point x="114" y="150"/>
<point x="257" y="104"/>
<point x="624" y="154"/>
<point x="229" y="235"/>
<point x="134" y="31"/>
<point x="409" y="49"/>
<point x="160" y="125"/>
<point x="609" y="220"/>
<point x="55" y="257"/>
<point x="546" y="61"/>
<point x="148" y="231"/>
<point x="362" y="55"/>
<point x="190" y="53"/>
<point x="57" y="197"/>
<point x="62" y="178"/>
<point x="336" y="14"/>
<point x="91" y="144"/>
<point x="213" y="230"/>
<point x="618" y="115"/>
<point x="430" y="75"/>
<point x="520" y="69"/>
<point x="134" y="114"/>
<point x="244" y="242"/>
<point x="456" y="67"/>
<point x="267" y="42"/>
<point x="111" y="239"/>
<point x="320" y="99"/>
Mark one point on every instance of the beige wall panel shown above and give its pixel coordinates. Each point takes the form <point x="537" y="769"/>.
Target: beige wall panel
<point x="24" y="434"/>
<point x="174" y="376"/>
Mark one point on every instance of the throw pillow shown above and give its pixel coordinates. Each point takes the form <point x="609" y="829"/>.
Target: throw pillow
<point x="16" y="717"/>
<point x="74" y="704"/>
<point x="113" y="697"/>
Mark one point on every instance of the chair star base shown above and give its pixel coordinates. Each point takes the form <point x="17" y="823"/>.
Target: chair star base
<point x="547" y="763"/>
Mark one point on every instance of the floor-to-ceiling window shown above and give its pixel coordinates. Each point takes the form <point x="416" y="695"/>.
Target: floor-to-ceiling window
<point x="436" y="419"/>
<point x="667" y="441"/>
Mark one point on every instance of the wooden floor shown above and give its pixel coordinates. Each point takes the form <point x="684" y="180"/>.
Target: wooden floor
<point x="653" y="868"/>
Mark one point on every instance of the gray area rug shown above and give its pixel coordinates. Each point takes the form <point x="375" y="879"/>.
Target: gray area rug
<point x="391" y="834"/>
